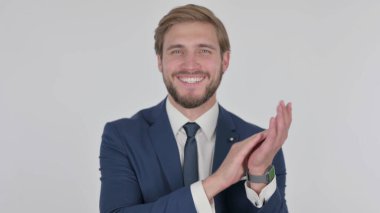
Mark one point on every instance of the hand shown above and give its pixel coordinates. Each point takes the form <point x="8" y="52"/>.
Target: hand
<point x="262" y="156"/>
<point x="232" y="169"/>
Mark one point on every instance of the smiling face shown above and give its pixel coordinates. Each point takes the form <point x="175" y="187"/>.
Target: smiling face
<point x="192" y="64"/>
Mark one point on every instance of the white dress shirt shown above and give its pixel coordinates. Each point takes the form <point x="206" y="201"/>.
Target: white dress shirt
<point x="205" y="138"/>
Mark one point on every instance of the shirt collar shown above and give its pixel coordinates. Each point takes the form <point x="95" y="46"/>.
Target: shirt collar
<point x="207" y="121"/>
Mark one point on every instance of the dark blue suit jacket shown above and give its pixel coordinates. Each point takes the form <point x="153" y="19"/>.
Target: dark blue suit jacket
<point x="141" y="171"/>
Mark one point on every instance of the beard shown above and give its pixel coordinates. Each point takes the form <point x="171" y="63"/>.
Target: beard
<point x="189" y="101"/>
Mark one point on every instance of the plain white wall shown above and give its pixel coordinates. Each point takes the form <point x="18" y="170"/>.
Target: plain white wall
<point x="67" y="67"/>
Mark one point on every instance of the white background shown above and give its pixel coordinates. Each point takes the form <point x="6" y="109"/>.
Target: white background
<point x="67" y="67"/>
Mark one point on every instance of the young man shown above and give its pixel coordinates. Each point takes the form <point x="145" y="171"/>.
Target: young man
<point x="188" y="154"/>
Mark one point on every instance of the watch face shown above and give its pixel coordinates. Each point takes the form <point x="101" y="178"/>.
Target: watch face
<point x="271" y="173"/>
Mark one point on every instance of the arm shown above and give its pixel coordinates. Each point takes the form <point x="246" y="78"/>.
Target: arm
<point x="269" y="152"/>
<point x="120" y="190"/>
<point x="277" y="202"/>
<point x="256" y="153"/>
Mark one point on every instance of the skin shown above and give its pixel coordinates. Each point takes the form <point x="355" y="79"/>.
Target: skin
<point x="191" y="49"/>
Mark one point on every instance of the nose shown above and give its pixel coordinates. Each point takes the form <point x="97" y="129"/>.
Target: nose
<point x="190" y="62"/>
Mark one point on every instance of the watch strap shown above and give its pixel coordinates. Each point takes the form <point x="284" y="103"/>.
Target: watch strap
<point x="266" y="178"/>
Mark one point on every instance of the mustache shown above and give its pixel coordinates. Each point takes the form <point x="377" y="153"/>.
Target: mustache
<point x="197" y="72"/>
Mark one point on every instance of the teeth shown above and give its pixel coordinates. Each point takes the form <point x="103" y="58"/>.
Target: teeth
<point x="192" y="80"/>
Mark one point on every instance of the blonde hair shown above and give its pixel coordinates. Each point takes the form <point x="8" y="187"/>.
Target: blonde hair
<point x="190" y="13"/>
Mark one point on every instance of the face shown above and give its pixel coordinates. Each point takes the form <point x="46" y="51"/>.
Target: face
<point x="192" y="64"/>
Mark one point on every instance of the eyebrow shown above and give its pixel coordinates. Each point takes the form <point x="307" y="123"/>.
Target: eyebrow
<point x="207" y="46"/>
<point x="174" y="46"/>
<point x="179" y="46"/>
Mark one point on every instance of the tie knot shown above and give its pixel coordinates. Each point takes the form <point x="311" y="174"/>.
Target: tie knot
<point x="191" y="128"/>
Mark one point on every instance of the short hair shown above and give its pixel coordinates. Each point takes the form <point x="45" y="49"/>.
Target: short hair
<point x="190" y="13"/>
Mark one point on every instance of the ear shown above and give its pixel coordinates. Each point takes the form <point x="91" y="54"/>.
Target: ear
<point x="159" y="62"/>
<point x="225" y="60"/>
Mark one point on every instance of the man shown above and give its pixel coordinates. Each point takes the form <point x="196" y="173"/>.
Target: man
<point x="188" y="154"/>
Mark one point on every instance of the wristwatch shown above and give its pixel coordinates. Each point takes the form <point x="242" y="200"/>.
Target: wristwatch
<point x="268" y="176"/>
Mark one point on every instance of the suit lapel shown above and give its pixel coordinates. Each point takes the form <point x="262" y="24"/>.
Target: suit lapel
<point x="165" y="145"/>
<point x="226" y="135"/>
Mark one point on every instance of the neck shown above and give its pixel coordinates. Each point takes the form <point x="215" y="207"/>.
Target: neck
<point x="194" y="113"/>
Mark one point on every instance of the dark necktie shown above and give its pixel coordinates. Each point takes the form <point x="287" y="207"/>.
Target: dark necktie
<point x="190" y="161"/>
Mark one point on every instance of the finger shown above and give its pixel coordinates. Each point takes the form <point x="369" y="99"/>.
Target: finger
<point x="258" y="138"/>
<point x="286" y="114"/>
<point x="252" y="141"/>
<point x="270" y="142"/>
<point x="286" y="109"/>
<point x="280" y="124"/>
<point x="265" y="133"/>
<point x="282" y="130"/>
<point x="289" y="109"/>
<point x="271" y="132"/>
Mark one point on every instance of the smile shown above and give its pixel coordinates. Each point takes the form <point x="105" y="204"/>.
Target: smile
<point x="191" y="80"/>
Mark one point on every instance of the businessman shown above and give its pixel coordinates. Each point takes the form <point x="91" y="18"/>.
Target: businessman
<point x="188" y="154"/>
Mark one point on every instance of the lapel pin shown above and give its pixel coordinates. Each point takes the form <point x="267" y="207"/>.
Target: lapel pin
<point x="232" y="139"/>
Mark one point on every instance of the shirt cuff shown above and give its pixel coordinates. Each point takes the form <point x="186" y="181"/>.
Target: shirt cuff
<point x="264" y="196"/>
<point x="200" y="198"/>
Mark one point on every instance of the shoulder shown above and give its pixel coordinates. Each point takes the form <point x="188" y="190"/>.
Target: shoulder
<point x="137" y="123"/>
<point x="245" y="128"/>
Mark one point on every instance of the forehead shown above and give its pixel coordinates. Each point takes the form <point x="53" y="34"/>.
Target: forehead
<point x="191" y="33"/>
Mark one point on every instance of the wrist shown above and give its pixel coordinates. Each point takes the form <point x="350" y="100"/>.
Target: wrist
<point x="213" y="185"/>
<point x="257" y="170"/>
<point x="257" y="179"/>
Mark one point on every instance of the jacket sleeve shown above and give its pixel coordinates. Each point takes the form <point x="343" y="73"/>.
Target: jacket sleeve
<point x="120" y="190"/>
